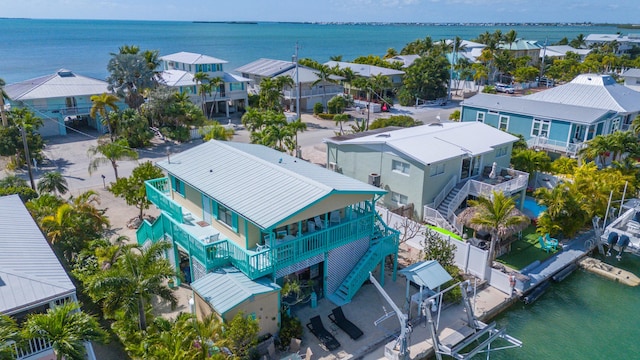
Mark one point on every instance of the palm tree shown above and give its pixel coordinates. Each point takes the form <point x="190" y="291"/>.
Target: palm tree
<point x="531" y="161"/>
<point x="270" y="95"/>
<point x="597" y="148"/>
<point x="3" y="95"/>
<point x="579" y="42"/>
<point x="111" y="154"/>
<point x="53" y="182"/>
<point x="130" y="283"/>
<point x="67" y="328"/>
<point x="203" y="89"/>
<point x="217" y="132"/>
<point x="101" y="104"/>
<point x="9" y="334"/>
<point x="129" y="76"/>
<point x="510" y="37"/>
<point x="324" y="77"/>
<point x="339" y="119"/>
<point x="335" y="58"/>
<point x="214" y="86"/>
<point x="498" y="216"/>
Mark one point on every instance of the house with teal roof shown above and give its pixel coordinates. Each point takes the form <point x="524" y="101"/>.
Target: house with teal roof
<point x="560" y="119"/>
<point x="249" y="218"/>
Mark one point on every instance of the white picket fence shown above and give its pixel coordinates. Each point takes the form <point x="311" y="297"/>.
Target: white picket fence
<point x="468" y="258"/>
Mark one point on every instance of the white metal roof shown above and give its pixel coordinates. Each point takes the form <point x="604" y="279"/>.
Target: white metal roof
<point x="176" y="78"/>
<point x="537" y="108"/>
<point x="227" y="288"/>
<point x="364" y="69"/>
<point x="265" y="67"/>
<point x="438" y="142"/>
<point x="592" y="90"/>
<point x="562" y="50"/>
<point x="63" y="83"/>
<point x="259" y="183"/>
<point x="228" y="78"/>
<point x="30" y="272"/>
<point x="306" y="75"/>
<point x="192" y="58"/>
<point x="631" y="73"/>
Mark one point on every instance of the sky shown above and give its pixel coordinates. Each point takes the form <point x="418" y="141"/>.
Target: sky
<point x="428" y="11"/>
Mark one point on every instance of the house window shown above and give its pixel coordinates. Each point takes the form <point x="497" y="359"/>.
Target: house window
<point x="236" y="86"/>
<point x="480" y="117"/>
<point x="504" y="123"/>
<point x="178" y="186"/>
<point x="502" y="151"/>
<point x="225" y="215"/>
<point x="399" y="198"/>
<point x="540" y="128"/>
<point x="436" y="169"/>
<point x="615" y="124"/>
<point x="400" y="166"/>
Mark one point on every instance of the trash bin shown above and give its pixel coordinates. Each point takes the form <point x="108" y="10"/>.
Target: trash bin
<point x="314" y="300"/>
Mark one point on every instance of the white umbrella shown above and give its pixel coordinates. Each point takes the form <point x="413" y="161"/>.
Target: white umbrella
<point x="493" y="173"/>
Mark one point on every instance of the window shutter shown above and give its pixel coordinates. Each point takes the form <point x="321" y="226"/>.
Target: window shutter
<point x="214" y="209"/>
<point x="234" y="222"/>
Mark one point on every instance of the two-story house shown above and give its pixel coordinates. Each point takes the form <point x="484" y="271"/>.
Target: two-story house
<point x="242" y="218"/>
<point x="521" y="48"/>
<point x="560" y="119"/>
<point x="312" y="90"/>
<point x="30" y="281"/>
<point x="61" y="100"/>
<point x="178" y="70"/>
<point x="368" y="71"/>
<point x="632" y="79"/>
<point x="434" y="167"/>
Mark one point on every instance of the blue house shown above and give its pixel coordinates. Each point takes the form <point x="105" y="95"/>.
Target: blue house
<point x="559" y="119"/>
<point x="245" y="219"/>
<point x="61" y="100"/>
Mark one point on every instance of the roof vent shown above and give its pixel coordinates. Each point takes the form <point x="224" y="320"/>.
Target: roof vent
<point x="386" y="135"/>
<point x="436" y="124"/>
<point x="65" y="73"/>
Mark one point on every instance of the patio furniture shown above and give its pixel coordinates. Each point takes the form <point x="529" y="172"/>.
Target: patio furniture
<point x="550" y="240"/>
<point x="326" y="339"/>
<point x="338" y="318"/>
<point x="318" y="222"/>
<point x="311" y="226"/>
<point x="294" y="345"/>
<point x="544" y="245"/>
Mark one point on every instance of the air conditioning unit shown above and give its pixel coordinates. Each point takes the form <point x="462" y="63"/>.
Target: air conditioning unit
<point x="333" y="166"/>
<point x="374" y="179"/>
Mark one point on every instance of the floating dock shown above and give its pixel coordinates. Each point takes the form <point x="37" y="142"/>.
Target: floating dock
<point x="610" y="272"/>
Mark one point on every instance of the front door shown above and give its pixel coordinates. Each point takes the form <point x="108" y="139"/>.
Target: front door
<point x="206" y="209"/>
<point x="465" y="171"/>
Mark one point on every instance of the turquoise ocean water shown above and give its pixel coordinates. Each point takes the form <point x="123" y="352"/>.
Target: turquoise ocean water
<point x="584" y="317"/>
<point x="31" y="48"/>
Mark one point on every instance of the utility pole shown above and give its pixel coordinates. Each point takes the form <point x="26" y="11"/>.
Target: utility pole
<point x="3" y="114"/>
<point x="544" y="53"/>
<point x="453" y="60"/>
<point x="295" y="60"/>
<point x="27" y="157"/>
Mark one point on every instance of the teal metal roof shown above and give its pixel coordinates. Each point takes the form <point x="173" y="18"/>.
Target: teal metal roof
<point x="427" y="273"/>
<point x="227" y="288"/>
<point x="262" y="185"/>
<point x="30" y="272"/>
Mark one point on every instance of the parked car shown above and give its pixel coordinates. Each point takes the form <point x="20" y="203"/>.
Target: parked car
<point x="504" y="88"/>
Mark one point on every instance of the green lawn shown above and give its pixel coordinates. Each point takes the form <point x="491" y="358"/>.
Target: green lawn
<point x="524" y="251"/>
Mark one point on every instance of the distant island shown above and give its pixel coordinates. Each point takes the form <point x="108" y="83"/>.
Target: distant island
<point x="227" y="22"/>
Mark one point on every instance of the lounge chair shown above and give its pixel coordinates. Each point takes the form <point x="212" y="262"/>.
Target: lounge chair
<point x="326" y="339"/>
<point x="338" y="318"/>
<point x="553" y="242"/>
<point x="318" y="222"/>
<point x="544" y="245"/>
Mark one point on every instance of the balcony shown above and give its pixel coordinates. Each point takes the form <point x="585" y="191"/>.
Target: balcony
<point x="562" y="147"/>
<point x="203" y="241"/>
<point x="315" y="91"/>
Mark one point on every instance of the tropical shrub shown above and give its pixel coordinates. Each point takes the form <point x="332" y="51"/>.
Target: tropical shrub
<point x="318" y="108"/>
<point x="396" y="120"/>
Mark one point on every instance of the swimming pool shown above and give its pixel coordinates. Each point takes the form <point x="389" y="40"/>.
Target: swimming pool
<point x="532" y="208"/>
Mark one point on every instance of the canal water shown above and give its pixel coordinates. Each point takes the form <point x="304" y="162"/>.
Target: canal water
<point x="583" y="317"/>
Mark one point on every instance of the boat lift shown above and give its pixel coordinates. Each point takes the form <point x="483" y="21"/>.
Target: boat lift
<point x="482" y="334"/>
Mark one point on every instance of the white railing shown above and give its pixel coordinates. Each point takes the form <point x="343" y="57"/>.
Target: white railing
<point x="555" y="145"/>
<point x="457" y="200"/>
<point x="434" y="217"/>
<point x="445" y="191"/>
<point x="32" y="347"/>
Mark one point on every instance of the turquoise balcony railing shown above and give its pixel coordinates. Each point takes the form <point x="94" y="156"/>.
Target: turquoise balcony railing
<point x="158" y="191"/>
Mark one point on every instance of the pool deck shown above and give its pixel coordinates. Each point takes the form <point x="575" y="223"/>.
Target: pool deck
<point x="571" y="252"/>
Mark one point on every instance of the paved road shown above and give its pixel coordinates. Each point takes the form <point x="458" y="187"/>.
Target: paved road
<point x="68" y="154"/>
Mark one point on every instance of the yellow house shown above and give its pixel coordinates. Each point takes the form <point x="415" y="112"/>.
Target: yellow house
<point x="250" y="217"/>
